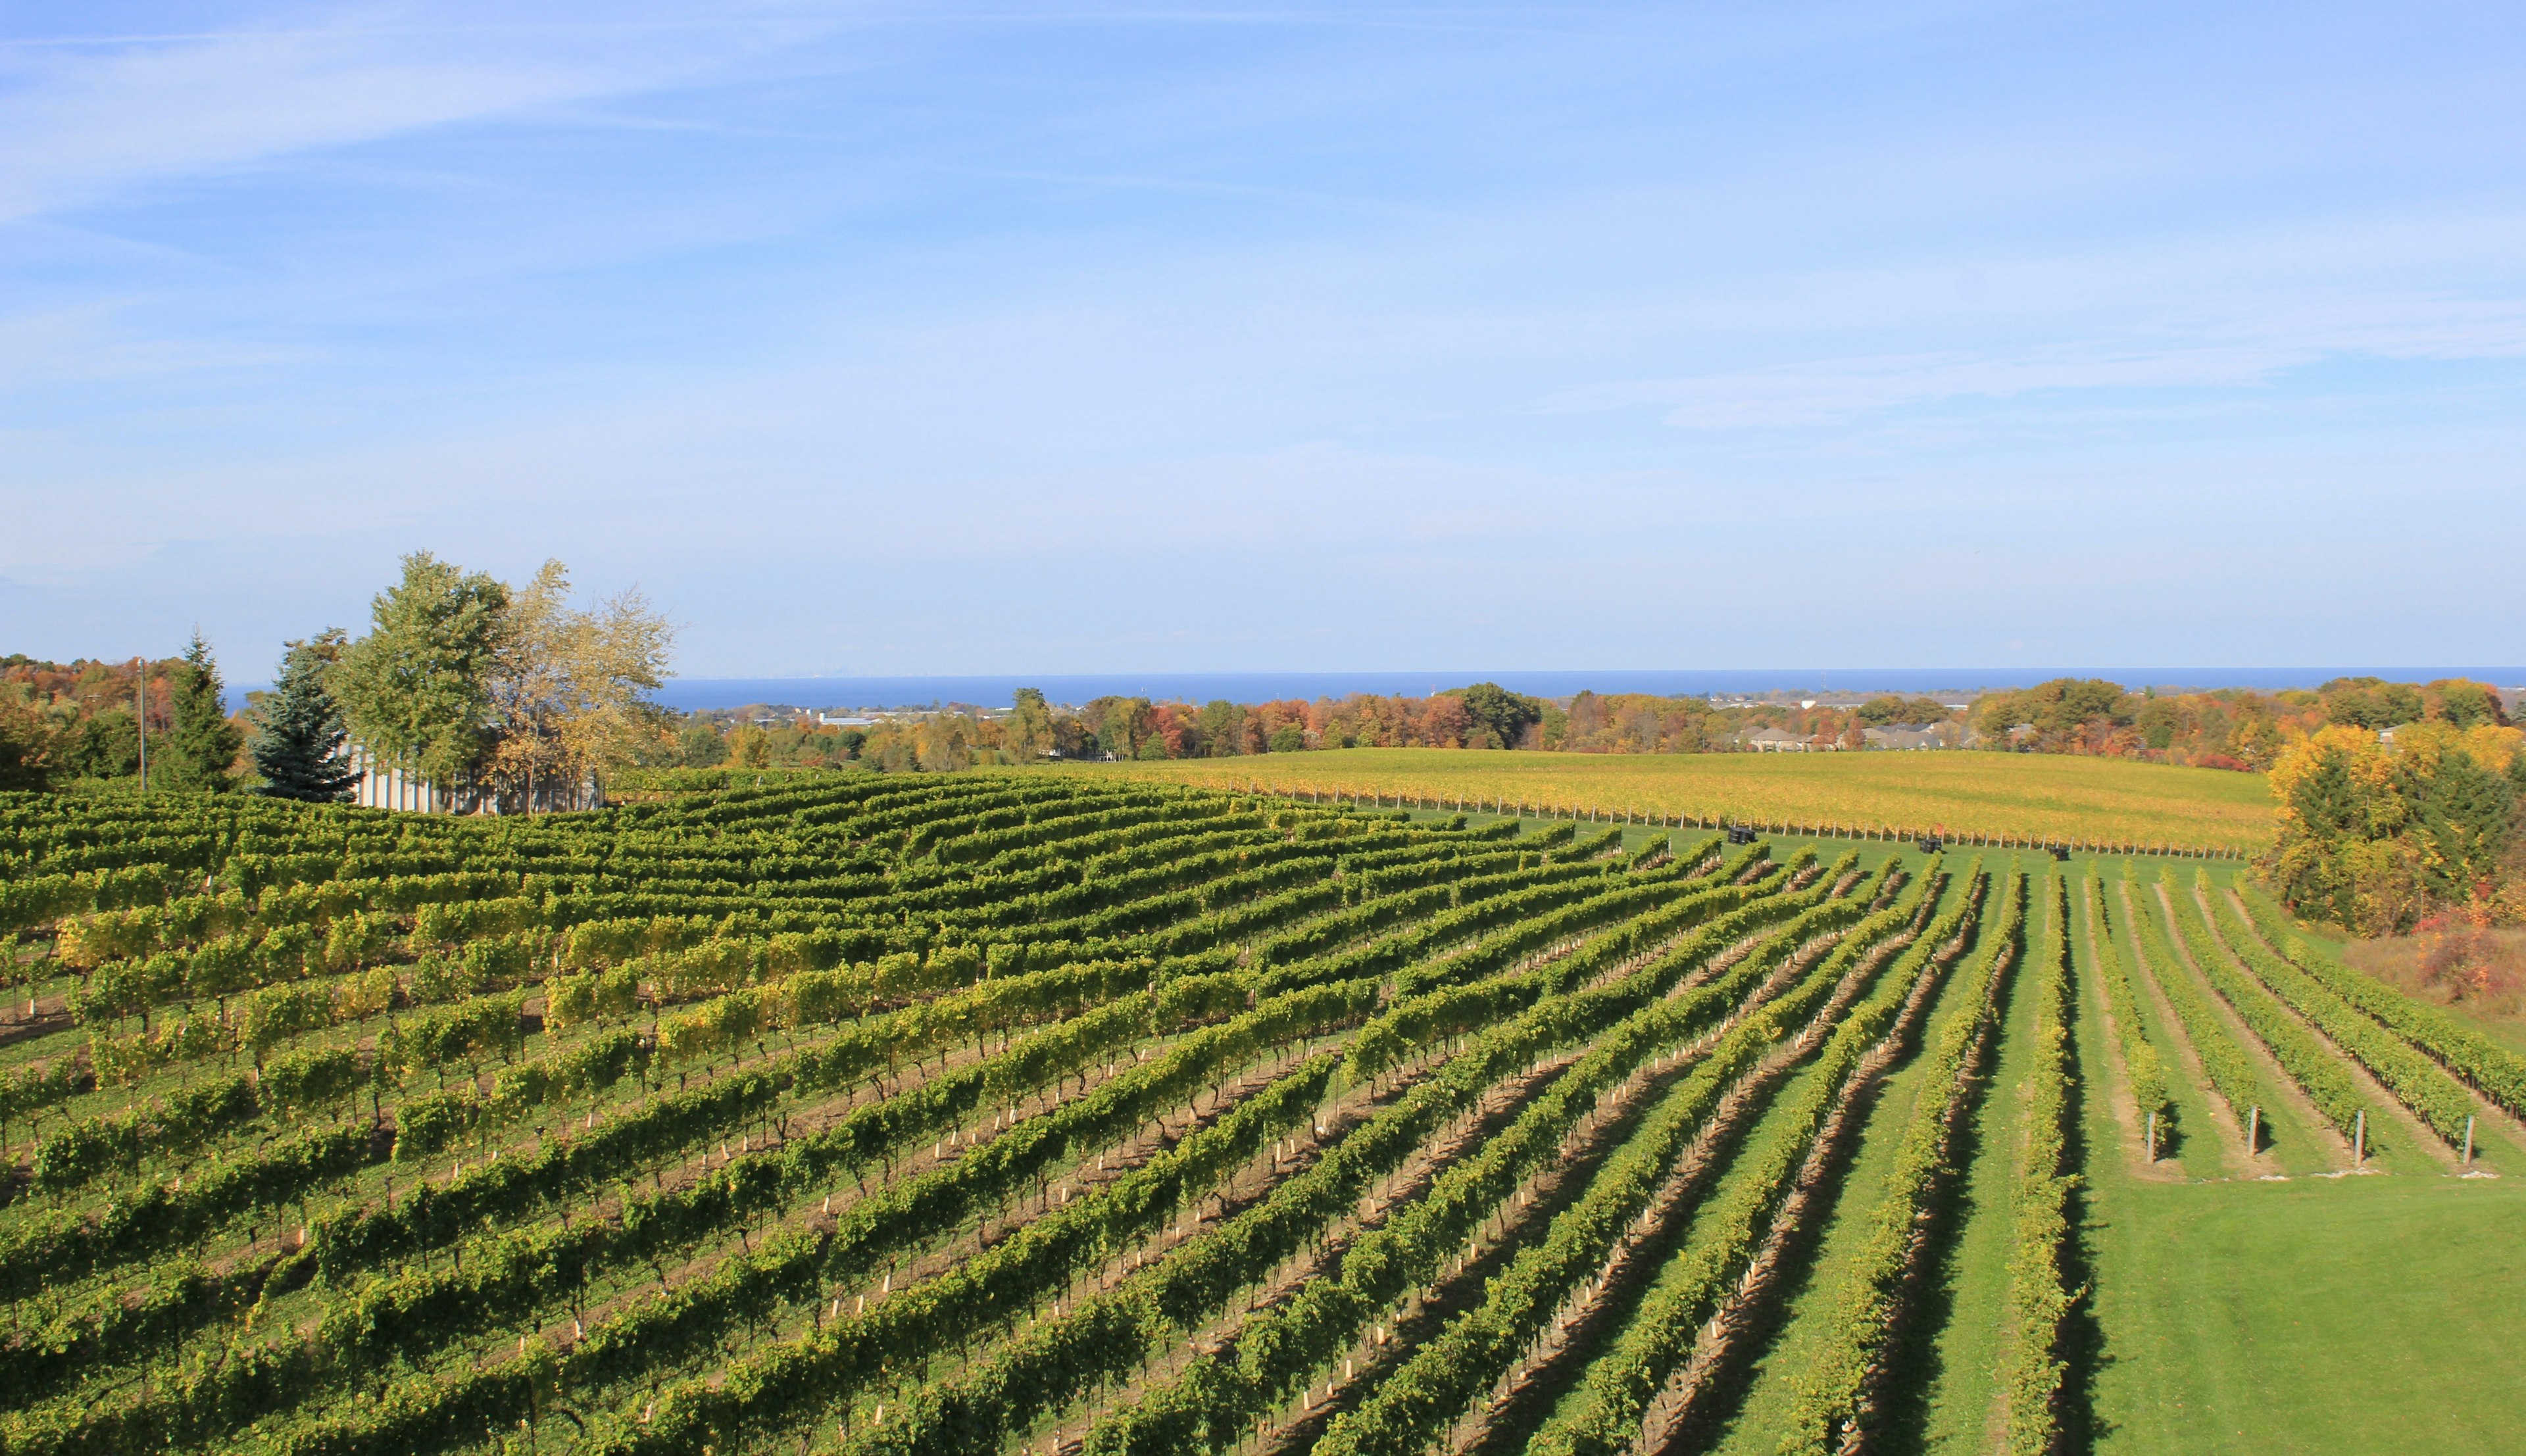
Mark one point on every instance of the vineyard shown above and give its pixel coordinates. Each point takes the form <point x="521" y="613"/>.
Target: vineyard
<point x="997" y="1113"/>
<point x="2043" y="798"/>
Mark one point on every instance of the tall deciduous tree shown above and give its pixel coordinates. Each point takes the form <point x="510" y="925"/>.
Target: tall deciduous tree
<point x="416" y="690"/>
<point x="570" y="689"/>
<point x="945" y="743"/>
<point x="1121" y="724"/>
<point x="1508" y="714"/>
<point x="1027" y="733"/>
<point x="2466" y="704"/>
<point x="466" y="680"/>
<point x="2372" y="834"/>
<point x="202" y="744"/>
<point x="1223" y="728"/>
<point x="27" y="745"/>
<point x="300" y="742"/>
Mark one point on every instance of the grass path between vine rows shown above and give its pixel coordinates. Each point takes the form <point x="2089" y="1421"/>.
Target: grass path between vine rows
<point x="1943" y="1392"/>
<point x="2500" y="1138"/>
<point x="1770" y="1387"/>
<point x="2204" y="1144"/>
<point x="2296" y="1141"/>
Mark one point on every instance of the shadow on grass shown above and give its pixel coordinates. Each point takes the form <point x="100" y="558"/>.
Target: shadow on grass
<point x="1913" y="1365"/>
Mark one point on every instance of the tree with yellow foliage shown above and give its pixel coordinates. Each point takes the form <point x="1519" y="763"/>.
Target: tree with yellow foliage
<point x="2376" y="832"/>
<point x="569" y="688"/>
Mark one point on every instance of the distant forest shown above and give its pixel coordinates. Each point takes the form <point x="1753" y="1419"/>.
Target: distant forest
<point x="2236" y="728"/>
<point x="79" y="718"/>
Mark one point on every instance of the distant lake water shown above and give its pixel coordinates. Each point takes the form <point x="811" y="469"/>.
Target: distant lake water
<point x="693" y="693"/>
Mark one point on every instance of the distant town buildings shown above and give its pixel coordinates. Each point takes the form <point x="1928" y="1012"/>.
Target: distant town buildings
<point x="1916" y="736"/>
<point x="1902" y="735"/>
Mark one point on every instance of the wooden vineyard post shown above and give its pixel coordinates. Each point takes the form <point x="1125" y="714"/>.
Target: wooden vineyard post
<point x="2254" y="1131"/>
<point x="2152" y="1135"/>
<point x="140" y="720"/>
<point x="2468" y="1142"/>
<point x="2359" y="1140"/>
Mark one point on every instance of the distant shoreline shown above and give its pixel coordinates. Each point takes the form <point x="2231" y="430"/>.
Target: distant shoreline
<point x="689" y="694"/>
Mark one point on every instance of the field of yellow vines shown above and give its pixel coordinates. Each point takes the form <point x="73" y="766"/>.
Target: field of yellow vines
<point x="2037" y="796"/>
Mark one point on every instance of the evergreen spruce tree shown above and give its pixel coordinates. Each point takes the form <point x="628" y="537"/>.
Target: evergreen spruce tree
<point x="299" y="745"/>
<point x="202" y="744"/>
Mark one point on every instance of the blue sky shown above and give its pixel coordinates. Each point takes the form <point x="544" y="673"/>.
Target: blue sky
<point x="1039" y="338"/>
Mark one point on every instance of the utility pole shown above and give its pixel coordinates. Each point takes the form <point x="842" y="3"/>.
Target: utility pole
<point x="142" y="718"/>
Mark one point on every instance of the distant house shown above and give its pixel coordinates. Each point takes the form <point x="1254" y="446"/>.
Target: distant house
<point x="1771" y="740"/>
<point x="1914" y="735"/>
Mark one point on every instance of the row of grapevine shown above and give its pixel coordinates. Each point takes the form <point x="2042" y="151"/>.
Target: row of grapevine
<point x="342" y="1253"/>
<point x="1839" y="1388"/>
<point x="1105" y="1337"/>
<point x="2230" y="1072"/>
<point x="1280" y="1353"/>
<point x="405" y="1421"/>
<point x="2418" y="1082"/>
<point x="1016" y="1111"/>
<point x="2143" y="1069"/>
<point x="1614" y="1393"/>
<point x="2317" y="1072"/>
<point x="2040" y="1291"/>
<point x="2495" y="1071"/>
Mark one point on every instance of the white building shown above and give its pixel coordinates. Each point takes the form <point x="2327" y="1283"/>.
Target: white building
<point x="399" y="788"/>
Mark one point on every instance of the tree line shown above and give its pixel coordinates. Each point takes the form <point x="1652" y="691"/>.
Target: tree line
<point x="500" y="696"/>
<point x="2227" y="729"/>
<point x="2231" y="729"/>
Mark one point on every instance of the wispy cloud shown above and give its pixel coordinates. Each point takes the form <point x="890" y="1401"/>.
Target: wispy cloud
<point x="91" y="120"/>
<point x="55" y="348"/>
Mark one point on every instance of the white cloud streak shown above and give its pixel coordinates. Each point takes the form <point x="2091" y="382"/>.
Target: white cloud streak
<point x="92" y="121"/>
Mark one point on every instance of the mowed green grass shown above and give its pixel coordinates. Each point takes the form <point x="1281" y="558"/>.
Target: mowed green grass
<point x="2349" y="1315"/>
<point x="2319" y="1315"/>
<point x="2042" y="796"/>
